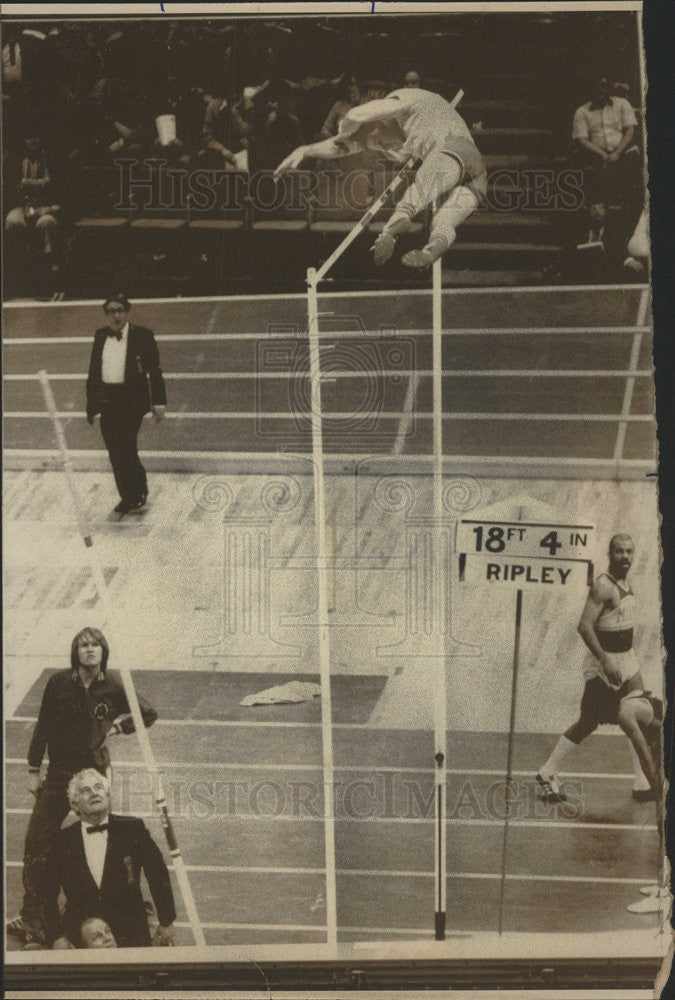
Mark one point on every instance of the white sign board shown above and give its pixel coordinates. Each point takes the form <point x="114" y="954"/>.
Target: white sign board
<point x="525" y="554"/>
<point x="540" y="573"/>
<point x="523" y="539"/>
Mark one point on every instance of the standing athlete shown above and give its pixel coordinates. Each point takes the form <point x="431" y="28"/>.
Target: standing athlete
<point x="611" y="670"/>
<point x="418" y="123"/>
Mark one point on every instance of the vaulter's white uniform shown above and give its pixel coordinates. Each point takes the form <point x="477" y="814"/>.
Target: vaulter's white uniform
<point x="429" y="125"/>
<point x="427" y="120"/>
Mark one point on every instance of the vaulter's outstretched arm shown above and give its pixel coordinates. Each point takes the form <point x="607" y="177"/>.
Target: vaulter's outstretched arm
<point x="371" y="111"/>
<point x="328" y="149"/>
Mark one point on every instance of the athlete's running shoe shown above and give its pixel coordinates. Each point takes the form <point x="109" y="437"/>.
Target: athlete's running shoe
<point x="550" y="787"/>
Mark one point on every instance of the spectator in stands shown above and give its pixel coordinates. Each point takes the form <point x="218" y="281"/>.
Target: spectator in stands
<point x="349" y="97"/>
<point x="82" y="56"/>
<point x="224" y="132"/>
<point x="188" y="106"/>
<point x="279" y="135"/>
<point x="12" y="61"/>
<point x="314" y="94"/>
<point x="22" y="57"/>
<point x="31" y="225"/>
<point x="373" y="90"/>
<point x="412" y="79"/>
<point x="604" y="133"/>
<point x="124" y="122"/>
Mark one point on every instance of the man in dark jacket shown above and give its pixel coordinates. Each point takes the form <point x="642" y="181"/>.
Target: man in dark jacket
<point x="125" y="382"/>
<point x="78" y="711"/>
<point x="98" y="863"/>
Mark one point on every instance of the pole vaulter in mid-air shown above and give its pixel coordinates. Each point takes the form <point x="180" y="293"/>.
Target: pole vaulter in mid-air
<point x="412" y="123"/>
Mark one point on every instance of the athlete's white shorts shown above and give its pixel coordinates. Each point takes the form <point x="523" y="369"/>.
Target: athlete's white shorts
<point x="626" y="663"/>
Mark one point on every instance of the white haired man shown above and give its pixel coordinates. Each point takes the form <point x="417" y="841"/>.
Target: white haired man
<point x="98" y="864"/>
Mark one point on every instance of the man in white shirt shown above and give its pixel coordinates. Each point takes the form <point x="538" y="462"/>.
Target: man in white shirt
<point x="604" y="131"/>
<point x="413" y="122"/>
<point x="125" y="382"/>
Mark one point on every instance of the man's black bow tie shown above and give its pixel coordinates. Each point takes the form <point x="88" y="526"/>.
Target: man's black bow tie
<point x="117" y="334"/>
<point x="99" y="828"/>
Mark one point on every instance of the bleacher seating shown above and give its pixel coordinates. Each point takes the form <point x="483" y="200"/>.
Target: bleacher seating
<point x="520" y="90"/>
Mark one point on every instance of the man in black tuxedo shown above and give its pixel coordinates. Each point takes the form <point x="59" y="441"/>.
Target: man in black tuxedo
<point x="98" y="863"/>
<point x="125" y="382"/>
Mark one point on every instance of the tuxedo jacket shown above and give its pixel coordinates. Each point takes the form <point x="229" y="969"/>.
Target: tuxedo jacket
<point x="142" y="374"/>
<point x="119" y="901"/>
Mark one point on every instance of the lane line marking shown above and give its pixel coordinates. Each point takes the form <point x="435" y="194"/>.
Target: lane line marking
<point x="313" y="725"/>
<point x="630" y="381"/>
<point x="317" y="928"/>
<point x="469" y="331"/>
<point x="402" y="873"/>
<point x="368" y="461"/>
<point x="301" y="296"/>
<point x="417" y="373"/>
<point x="454" y="772"/>
<point x="454" y="821"/>
<point x="381" y="415"/>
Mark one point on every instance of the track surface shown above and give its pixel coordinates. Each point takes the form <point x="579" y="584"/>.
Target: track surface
<point x="537" y="373"/>
<point x="245" y="788"/>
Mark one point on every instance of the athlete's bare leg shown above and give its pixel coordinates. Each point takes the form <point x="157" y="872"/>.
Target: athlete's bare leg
<point x="636" y="716"/>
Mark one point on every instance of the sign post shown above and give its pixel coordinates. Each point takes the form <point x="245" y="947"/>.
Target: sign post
<point x="518" y="555"/>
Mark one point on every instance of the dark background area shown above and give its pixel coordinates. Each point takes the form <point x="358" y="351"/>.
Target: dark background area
<point x="659" y="24"/>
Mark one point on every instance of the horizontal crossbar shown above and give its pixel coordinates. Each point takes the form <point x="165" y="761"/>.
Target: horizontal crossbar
<point x="368" y="415"/>
<point x="371" y="373"/>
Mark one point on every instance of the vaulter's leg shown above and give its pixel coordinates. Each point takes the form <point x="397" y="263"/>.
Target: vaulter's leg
<point x="440" y="173"/>
<point x="459" y="206"/>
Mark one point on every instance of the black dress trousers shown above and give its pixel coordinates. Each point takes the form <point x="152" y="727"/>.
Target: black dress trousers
<point x="120" y="423"/>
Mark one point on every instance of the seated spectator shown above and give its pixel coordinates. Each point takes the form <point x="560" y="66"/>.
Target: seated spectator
<point x="224" y="132"/>
<point x="95" y="933"/>
<point x="314" y="94"/>
<point x="125" y="124"/>
<point x="604" y="133"/>
<point x="349" y="98"/>
<point x="123" y="847"/>
<point x="279" y="135"/>
<point x="373" y="90"/>
<point x="188" y="106"/>
<point x="593" y="247"/>
<point x="31" y="225"/>
<point x="412" y="79"/>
